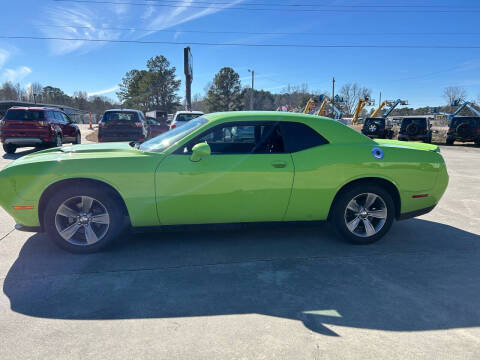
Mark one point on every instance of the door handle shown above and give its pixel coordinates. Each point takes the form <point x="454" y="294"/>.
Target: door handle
<point x="279" y="164"/>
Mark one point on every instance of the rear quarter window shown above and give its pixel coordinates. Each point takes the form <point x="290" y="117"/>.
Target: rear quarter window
<point x="298" y="137"/>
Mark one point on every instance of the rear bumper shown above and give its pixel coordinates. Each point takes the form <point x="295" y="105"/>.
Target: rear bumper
<point x="22" y="141"/>
<point x="412" y="214"/>
<point x="28" y="228"/>
<point x="414" y="137"/>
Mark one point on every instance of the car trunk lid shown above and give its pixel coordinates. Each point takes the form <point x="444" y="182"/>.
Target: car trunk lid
<point x="411" y="145"/>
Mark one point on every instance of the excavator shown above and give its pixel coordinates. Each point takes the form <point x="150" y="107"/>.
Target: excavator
<point x="362" y="102"/>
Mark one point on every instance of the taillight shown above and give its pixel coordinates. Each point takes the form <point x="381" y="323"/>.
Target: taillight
<point x="173" y="126"/>
<point x="138" y="124"/>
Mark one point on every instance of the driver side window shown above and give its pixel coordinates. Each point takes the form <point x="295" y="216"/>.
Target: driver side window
<point x="241" y="138"/>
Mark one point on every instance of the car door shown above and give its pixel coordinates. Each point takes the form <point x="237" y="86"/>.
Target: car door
<point x="248" y="177"/>
<point x="69" y="127"/>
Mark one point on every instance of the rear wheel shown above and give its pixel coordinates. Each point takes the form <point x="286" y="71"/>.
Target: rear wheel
<point x="78" y="139"/>
<point x="450" y="141"/>
<point x="363" y="214"/>
<point x="84" y="219"/>
<point x="9" y="148"/>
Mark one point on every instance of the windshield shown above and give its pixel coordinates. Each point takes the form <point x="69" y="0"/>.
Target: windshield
<point x="120" y="116"/>
<point x="25" y="115"/>
<point x="164" y="141"/>
<point x="186" y="117"/>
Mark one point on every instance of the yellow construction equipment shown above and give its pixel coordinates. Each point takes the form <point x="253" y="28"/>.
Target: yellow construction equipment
<point x="366" y="101"/>
<point x="392" y="103"/>
<point x="310" y="105"/>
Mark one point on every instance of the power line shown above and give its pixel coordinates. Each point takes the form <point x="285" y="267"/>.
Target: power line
<point x="408" y="9"/>
<point x="310" y="5"/>
<point x="331" y="46"/>
<point x="264" y="33"/>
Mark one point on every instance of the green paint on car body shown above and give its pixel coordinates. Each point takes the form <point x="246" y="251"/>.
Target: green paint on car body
<point x="167" y="187"/>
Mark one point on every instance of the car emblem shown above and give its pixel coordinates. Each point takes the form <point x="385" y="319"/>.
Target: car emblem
<point x="378" y="153"/>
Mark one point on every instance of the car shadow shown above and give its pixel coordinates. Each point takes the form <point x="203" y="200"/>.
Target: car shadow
<point x="423" y="276"/>
<point x="19" y="154"/>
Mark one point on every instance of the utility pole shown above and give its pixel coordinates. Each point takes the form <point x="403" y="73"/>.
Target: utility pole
<point x="333" y="92"/>
<point x="380" y="99"/>
<point x="251" y="90"/>
<point x="34" y="98"/>
<point x="188" y="70"/>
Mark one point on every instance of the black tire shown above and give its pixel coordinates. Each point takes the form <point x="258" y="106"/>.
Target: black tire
<point x="58" y="141"/>
<point x="338" y="216"/>
<point x="477" y="142"/>
<point x="9" y="148"/>
<point x="450" y="141"/>
<point x="106" y="197"/>
<point x="428" y="140"/>
<point x="78" y="139"/>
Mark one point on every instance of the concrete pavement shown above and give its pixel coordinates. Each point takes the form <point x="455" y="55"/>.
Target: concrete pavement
<point x="254" y="292"/>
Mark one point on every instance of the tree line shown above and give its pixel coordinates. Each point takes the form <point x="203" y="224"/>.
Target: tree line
<point x="156" y="87"/>
<point x="35" y="92"/>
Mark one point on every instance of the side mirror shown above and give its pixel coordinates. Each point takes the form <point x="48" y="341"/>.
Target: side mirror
<point x="200" y="151"/>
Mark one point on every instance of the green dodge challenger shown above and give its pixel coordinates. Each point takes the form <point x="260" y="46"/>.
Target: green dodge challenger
<point x="224" y="168"/>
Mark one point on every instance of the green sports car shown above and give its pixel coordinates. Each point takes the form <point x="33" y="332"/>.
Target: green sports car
<point x="224" y="168"/>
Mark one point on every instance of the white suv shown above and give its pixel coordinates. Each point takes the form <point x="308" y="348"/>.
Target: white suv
<point x="182" y="117"/>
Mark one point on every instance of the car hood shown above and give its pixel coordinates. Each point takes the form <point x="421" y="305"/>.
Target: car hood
<point x="408" y="145"/>
<point x="105" y="150"/>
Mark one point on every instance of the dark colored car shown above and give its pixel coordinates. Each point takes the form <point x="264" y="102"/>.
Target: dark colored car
<point x="37" y="126"/>
<point x="377" y="128"/>
<point x="156" y="127"/>
<point x="123" y="125"/>
<point x="415" y="129"/>
<point x="464" y="129"/>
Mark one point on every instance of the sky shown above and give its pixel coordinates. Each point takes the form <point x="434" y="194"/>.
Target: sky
<point x="418" y="75"/>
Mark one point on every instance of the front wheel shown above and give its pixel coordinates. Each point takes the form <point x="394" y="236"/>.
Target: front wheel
<point x="84" y="219"/>
<point x="363" y="214"/>
<point x="9" y="148"/>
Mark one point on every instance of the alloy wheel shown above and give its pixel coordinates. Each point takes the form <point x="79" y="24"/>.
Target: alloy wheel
<point x="82" y="220"/>
<point x="366" y="214"/>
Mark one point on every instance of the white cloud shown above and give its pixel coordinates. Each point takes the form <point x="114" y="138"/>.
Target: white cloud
<point x="16" y="75"/>
<point x="78" y="22"/>
<point x="103" y="22"/>
<point x="148" y="12"/>
<point x="105" y="91"/>
<point x="168" y="17"/>
<point x="4" y="55"/>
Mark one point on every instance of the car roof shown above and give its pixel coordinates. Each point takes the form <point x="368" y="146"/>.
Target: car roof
<point x="189" y="112"/>
<point x="34" y="108"/>
<point x="122" y="110"/>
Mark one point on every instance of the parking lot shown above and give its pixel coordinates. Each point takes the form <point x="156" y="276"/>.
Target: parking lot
<point x="254" y="292"/>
